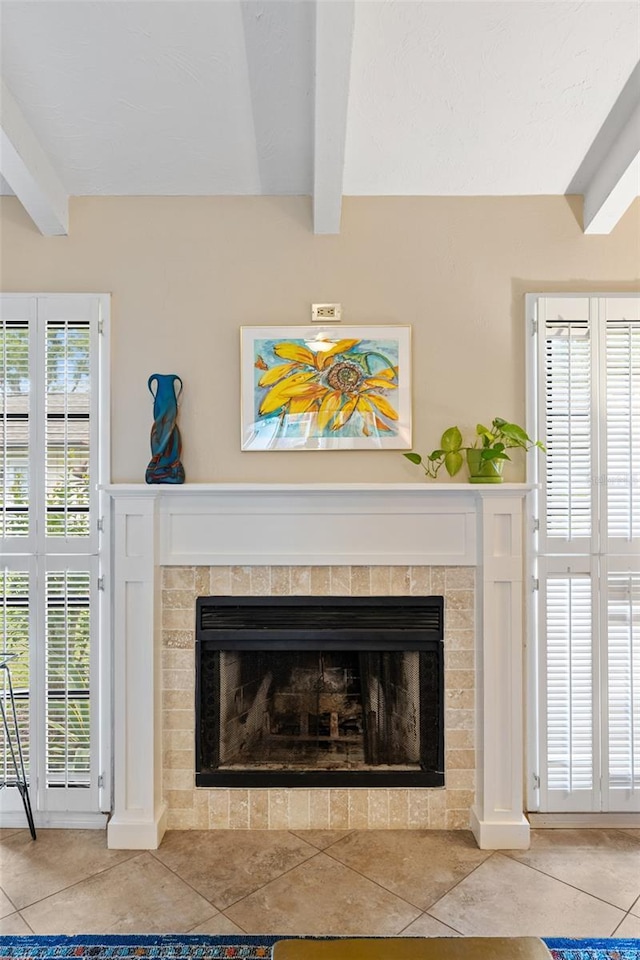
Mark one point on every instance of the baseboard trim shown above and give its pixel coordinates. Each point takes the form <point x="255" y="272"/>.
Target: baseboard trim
<point x="57" y="820"/>
<point x="500" y="834"/>
<point x="123" y="833"/>
<point x="593" y="821"/>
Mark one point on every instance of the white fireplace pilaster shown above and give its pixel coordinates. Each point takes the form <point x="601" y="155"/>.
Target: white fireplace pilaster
<point x="139" y="815"/>
<point x="497" y="819"/>
<point x="325" y="524"/>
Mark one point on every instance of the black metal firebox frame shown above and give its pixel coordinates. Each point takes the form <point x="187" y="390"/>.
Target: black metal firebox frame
<point x="353" y="624"/>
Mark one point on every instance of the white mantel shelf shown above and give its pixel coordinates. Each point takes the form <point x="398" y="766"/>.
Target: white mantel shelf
<point x="209" y="524"/>
<point x="184" y="489"/>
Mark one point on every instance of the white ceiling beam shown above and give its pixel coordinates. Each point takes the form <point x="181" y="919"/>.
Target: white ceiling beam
<point x="334" y="42"/>
<point x="28" y="170"/>
<point x="616" y="182"/>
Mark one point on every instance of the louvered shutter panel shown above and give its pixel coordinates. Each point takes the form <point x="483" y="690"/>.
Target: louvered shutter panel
<point x="623" y="429"/>
<point x="68" y="429"/>
<point x="623" y="687"/>
<point x="14" y="638"/>
<point x="15" y="433"/>
<point x="49" y="424"/>
<point x="567" y="431"/>
<point x="569" y="692"/>
<point x="68" y="666"/>
<point x="588" y="553"/>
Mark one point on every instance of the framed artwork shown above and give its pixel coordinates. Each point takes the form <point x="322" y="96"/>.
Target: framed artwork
<point x="319" y="388"/>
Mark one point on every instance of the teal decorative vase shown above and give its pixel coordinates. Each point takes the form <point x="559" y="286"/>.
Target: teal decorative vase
<point x="166" y="444"/>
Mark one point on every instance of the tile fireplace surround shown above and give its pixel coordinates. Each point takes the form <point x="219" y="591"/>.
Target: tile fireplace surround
<point x="170" y="545"/>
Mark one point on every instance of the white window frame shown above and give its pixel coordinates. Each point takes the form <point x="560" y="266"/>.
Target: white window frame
<point x="82" y="807"/>
<point x="592" y="561"/>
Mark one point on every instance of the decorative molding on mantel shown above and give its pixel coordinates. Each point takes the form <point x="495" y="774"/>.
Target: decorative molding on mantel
<point x="369" y="524"/>
<point x="324" y="524"/>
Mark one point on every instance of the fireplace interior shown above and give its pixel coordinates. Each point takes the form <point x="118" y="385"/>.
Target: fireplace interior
<point x="340" y="691"/>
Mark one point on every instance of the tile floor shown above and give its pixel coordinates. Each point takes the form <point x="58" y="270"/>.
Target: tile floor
<point x="406" y="883"/>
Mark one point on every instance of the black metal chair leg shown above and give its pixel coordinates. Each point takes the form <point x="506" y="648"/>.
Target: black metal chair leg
<point x="18" y="761"/>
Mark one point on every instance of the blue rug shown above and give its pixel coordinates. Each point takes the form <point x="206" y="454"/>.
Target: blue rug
<point x="178" y="947"/>
<point x="610" y="949"/>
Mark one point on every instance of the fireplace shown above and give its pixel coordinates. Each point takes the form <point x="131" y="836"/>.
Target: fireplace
<point x="171" y="546"/>
<point x="319" y="691"/>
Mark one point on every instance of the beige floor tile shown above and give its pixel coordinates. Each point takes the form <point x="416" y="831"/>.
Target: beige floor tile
<point x="506" y="898"/>
<point x="140" y="896"/>
<point x="32" y="870"/>
<point x="418" y="865"/>
<point x="603" y="863"/>
<point x="634" y="834"/>
<point x="227" y="865"/>
<point x="6" y="907"/>
<point x="10" y="831"/>
<point x="14" y="926"/>
<point x="630" y="927"/>
<point x="216" y="925"/>
<point x="427" y="926"/>
<point x="322" y="897"/>
<point x="321" y="838"/>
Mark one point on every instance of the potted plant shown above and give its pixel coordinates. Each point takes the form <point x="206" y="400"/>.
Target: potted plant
<point x="485" y="458"/>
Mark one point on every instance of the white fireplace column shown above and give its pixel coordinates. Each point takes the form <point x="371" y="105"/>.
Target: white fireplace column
<point x="138" y="820"/>
<point x="497" y="819"/>
<point x="354" y="524"/>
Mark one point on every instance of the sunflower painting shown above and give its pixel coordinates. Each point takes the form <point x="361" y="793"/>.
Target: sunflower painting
<point x="318" y="389"/>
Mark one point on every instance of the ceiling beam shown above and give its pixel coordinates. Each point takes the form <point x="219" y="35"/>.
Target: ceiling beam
<point x="28" y="170"/>
<point x="609" y="176"/>
<point x="616" y="182"/>
<point x="334" y="42"/>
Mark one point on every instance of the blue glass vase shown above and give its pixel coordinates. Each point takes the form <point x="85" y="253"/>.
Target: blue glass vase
<point x="166" y="444"/>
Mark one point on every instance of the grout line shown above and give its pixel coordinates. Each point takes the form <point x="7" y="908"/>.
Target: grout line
<point x="294" y="867"/>
<point x="404" y="899"/>
<point x="134" y="853"/>
<point x="625" y="832"/>
<point x="236" y="923"/>
<point x="346" y="831"/>
<point x="457" y="884"/>
<point x="15" y="908"/>
<point x="565" y="882"/>
<point x="27" y="923"/>
<point x="222" y="909"/>
<point x="186" y="883"/>
<point x="455" y="929"/>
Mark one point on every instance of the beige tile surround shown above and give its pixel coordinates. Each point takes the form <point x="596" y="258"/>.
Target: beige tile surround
<point x="298" y="809"/>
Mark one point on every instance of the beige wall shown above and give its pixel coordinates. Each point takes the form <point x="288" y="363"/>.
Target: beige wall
<point x="186" y="273"/>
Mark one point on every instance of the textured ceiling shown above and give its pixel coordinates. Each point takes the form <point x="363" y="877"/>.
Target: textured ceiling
<point x="217" y="96"/>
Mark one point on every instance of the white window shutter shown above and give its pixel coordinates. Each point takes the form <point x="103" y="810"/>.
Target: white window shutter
<point x="588" y="553"/>
<point x="48" y="521"/>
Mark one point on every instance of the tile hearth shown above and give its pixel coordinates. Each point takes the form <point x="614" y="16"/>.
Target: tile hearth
<point x="273" y="808"/>
<point x="393" y="883"/>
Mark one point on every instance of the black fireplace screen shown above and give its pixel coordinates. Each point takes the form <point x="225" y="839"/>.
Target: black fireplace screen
<point x="312" y="691"/>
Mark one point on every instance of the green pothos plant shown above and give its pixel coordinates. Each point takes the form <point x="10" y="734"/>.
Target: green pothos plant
<point x="491" y="443"/>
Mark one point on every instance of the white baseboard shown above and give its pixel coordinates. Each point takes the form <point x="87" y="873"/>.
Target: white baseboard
<point x="591" y="821"/>
<point x="501" y="835"/>
<point x="124" y="833"/>
<point x="58" y="820"/>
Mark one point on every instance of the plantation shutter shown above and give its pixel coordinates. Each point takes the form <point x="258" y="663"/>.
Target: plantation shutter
<point x="50" y="471"/>
<point x="588" y="553"/>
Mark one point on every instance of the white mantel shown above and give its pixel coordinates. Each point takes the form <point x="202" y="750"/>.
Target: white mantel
<point x="317" y="524"/>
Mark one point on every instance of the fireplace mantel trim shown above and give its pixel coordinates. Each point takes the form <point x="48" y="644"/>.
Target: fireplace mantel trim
<point x="441" y="524"/>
